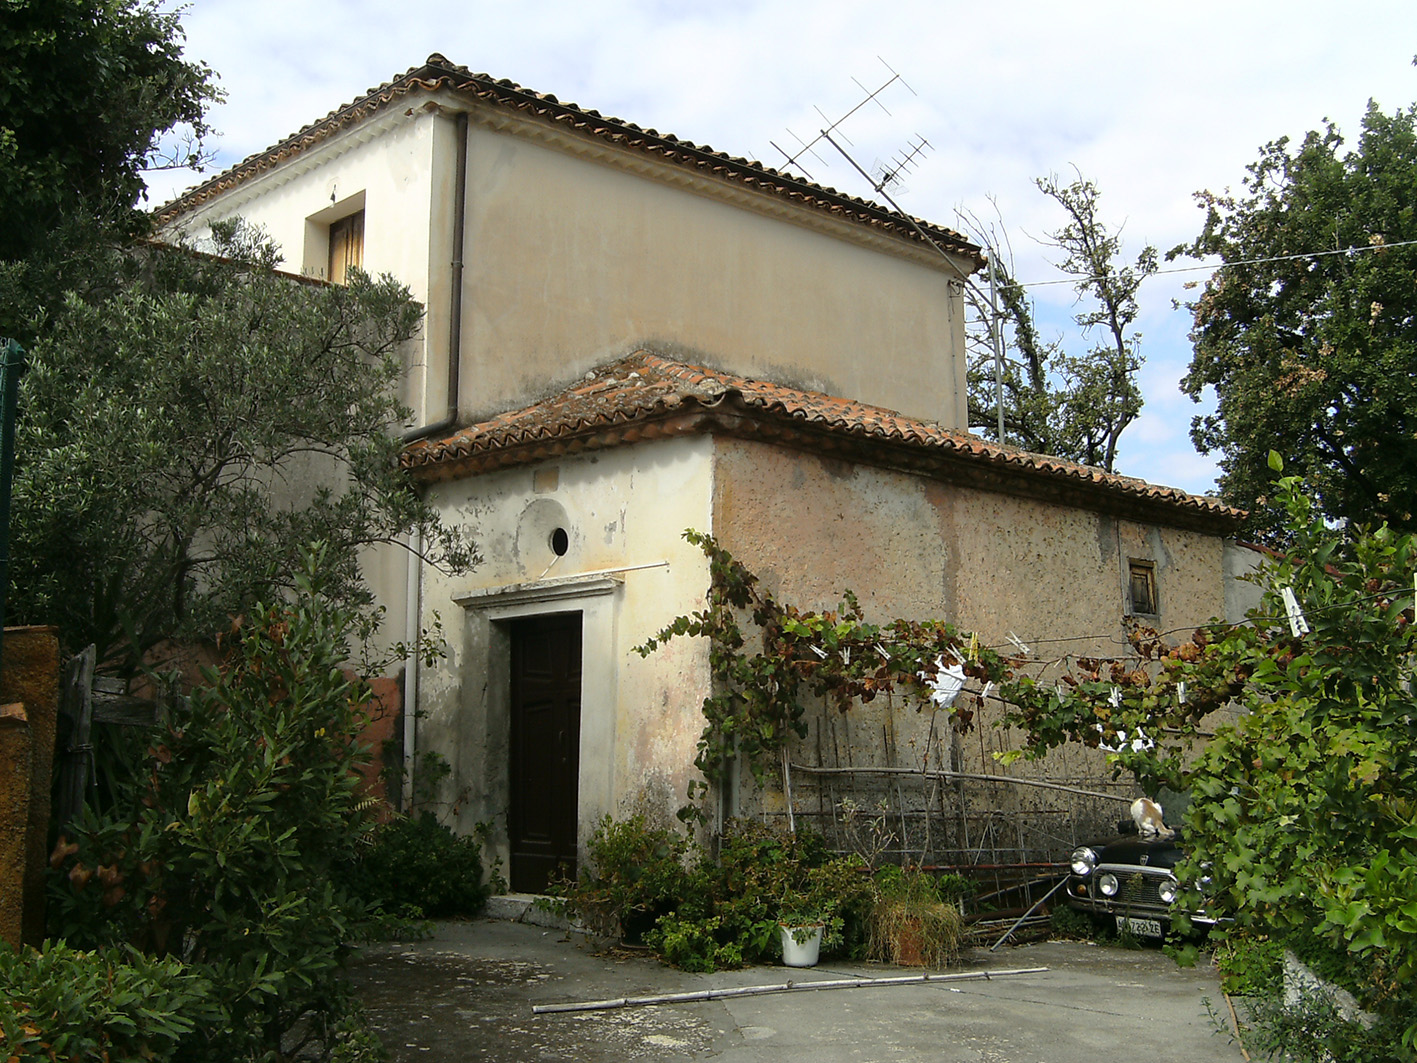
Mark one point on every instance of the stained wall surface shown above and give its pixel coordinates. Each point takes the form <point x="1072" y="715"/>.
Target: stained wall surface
<point x="810" y="527"/>
<point x="627" y="570"/>
<point x="1053" y="577"/>
<point x="579" y="253"/>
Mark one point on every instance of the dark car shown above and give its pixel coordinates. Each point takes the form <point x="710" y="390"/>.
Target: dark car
<point x="1129" y="882"/>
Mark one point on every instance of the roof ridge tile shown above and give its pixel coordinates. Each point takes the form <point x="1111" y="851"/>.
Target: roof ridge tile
<point x="644" y="385"/>
<point x="437" y="71"/>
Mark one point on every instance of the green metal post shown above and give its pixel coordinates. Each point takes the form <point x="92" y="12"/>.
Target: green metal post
<point x="12" y="365"/>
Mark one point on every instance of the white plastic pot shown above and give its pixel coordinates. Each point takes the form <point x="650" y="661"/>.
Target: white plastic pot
<point x="804" y="953"/>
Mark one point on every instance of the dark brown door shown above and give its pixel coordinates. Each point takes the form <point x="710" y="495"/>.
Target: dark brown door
<point x="546" y="732"/>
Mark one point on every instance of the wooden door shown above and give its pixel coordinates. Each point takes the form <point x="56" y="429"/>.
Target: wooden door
<point x="545" y="748"/>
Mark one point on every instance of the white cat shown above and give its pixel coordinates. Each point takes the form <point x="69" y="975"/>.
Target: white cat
<point x="1147" y="815"/>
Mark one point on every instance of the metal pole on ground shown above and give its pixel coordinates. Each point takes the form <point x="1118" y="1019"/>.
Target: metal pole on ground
<point x="779" y="987"/>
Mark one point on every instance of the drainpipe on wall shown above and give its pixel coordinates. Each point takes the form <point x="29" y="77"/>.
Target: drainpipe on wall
<point x="414" y="598"/>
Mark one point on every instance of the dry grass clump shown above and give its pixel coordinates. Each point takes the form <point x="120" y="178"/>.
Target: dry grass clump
<point x="910" y="925"/>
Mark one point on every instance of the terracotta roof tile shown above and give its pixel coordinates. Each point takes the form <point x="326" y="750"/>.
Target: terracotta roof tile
<point x="647" y="396"/>
<point x="438" y="73"/>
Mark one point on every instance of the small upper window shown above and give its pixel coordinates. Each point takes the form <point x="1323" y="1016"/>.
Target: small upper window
<point x="1141" y="587"/>
<point x="346" y="246"/>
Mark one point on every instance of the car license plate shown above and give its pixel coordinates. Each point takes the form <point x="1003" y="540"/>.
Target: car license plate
<point x="1147" y="928"/>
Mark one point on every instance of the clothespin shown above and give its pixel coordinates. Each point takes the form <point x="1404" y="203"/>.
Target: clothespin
<point x="1297" y="624"/>
<point x="1062" y="693"/>
<point x="820" y="652"/>
<point x="1115" y="698"/>
<point x="1181" y="692"/>
<point x="1018" y="644"/>
<point x="985" y="692"/>
<point x="974" y="642"/>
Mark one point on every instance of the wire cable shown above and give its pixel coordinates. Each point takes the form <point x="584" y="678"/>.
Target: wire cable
<point x="1223" y="265"/>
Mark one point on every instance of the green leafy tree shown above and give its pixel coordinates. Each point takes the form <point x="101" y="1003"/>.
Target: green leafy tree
<point x="1303" y="811"/>
<point x="226" y="850"/>
<point x="1311" y="346"/>
<point x="181" y="439"/>
<point x="1057" y="400"/>
<point x="92" y="93"/>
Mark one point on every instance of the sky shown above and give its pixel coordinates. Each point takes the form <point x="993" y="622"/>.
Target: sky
<point x="1151" y="101"/>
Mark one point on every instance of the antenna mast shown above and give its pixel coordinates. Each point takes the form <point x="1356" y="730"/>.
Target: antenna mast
<point x="891" y="174"/>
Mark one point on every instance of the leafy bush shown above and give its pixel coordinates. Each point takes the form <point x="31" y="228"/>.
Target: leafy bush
<point x="716" y="912"/>
<point x="702" y="944"/>
<point x="634" y="875"/>
<point x="1069" y="924"/>
<point x="1314" y="1031"/>
<point x="115" y="1004"/>
<point x="223" y="855"/>
<point x="1301" y="822"/>
<point x="765" y="877"/>
<point x="1250" y="965"/>
<point x="417" y="867"/>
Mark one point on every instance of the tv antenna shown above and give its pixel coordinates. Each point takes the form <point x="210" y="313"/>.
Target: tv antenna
<point x="890" y="175"/>
<point x="808" y="147"/>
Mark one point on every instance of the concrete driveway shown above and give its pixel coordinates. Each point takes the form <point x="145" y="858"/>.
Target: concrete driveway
<point x="467" y="994"/>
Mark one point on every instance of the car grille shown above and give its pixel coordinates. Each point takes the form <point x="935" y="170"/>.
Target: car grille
<point x="1138" y="886"/>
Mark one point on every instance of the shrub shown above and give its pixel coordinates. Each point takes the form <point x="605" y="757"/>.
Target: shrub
<point x="702" y="944"/>
<point x="764" y="877"/>
<point x="1069" y="924"/>
<point x="1250" y="965"/>
<point x="718" y="912"/>
<point x="416" y="867"/>
<point x="635" y="874"/>
<point x="115" y="1004"/>
<point x="223" y="854"/>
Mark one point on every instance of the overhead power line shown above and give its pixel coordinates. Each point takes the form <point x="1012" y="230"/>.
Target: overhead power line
<point x="1241" y="262"/>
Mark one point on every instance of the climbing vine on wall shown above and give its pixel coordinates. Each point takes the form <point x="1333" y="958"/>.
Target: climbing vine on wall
<point x="768" y="656"/>
<point x="1302" y="822"/>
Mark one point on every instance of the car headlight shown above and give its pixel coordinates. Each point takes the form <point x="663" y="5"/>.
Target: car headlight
<point x="1168" y="890"/>
<point x="1107" y="885"/>
<point x="1083" y="860"/>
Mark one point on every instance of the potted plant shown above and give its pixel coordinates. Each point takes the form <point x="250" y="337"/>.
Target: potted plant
<point x="811" y="911"/>
<point x="911" y="924"/>
<point x="804" y="918"/>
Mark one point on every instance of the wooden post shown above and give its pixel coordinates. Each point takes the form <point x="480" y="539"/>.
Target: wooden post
<point x="76" y="703"/>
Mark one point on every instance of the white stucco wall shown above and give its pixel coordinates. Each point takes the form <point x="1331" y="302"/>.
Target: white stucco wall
<point x="628" y="571"/>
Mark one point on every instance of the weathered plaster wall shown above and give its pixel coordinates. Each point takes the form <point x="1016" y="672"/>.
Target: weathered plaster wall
<point x="574" y="259"/>
<point x="621" y="509"/>
<point x="390" y="169"/>
<point x="578" y="252"/>
<point x="991" y="563"/>
<point x="1242" y="593"/>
